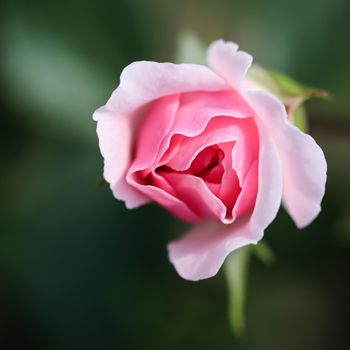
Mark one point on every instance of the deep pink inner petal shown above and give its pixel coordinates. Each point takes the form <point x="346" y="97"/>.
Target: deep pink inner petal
<point x="230" y="187"/>
<point x="207" y="165"/>
<point x="203" y="164"/>
<point x="183" y="114"/>
<point x="193" y="191"/>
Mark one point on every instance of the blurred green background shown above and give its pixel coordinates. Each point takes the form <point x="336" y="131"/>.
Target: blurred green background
<point x="78" y="270"/>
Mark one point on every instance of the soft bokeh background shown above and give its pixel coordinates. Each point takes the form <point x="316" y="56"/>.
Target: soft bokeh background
<point x="78" y="270"/>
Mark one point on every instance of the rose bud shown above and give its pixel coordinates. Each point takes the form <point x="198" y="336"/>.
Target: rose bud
<point x="212" y="149"/>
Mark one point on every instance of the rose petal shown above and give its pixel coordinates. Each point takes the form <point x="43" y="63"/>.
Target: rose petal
<point x="229" y="187"/>
<point x="145" y="81"/>
<point x="200" y="253"/>
<point x="304" y="167"/>
<point x="114" y="140"/>
<point x="155" y="127"/>
<point x="227" y="62"/>
<point x="193" y="191"/>
<point x="168" y="201"/>
<point x="246" y="199"/>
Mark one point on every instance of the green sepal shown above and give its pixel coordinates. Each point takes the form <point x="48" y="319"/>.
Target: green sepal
<point x="290" y="92"/>
<point x="300" y="119"/>
<point x="291" y="88"/>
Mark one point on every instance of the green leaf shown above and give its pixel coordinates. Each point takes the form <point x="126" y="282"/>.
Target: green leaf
<point x="236" y="271"/>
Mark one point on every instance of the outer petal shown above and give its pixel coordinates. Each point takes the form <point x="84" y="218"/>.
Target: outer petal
<point x="230" y="64"/>
<point x="202" y="251"/>
<point x="304" y="166"/>
<point x="117" y="122"/>
<point x="114" y="135"/>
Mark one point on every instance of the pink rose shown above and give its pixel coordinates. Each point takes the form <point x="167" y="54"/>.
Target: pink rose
<point x="211" y="149"/>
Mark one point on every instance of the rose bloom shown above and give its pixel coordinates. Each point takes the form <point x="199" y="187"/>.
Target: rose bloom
<point x="213" y="149"/>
